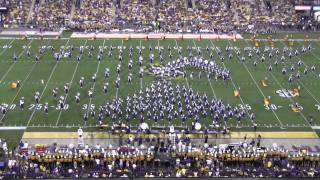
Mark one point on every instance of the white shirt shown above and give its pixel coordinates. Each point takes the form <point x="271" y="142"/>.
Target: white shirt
<point x="80" y="132"/>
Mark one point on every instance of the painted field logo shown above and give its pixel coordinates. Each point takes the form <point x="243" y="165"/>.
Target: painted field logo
<point x="286" y="93"/>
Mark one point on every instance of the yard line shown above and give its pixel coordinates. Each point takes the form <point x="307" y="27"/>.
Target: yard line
<point x="306" y="63"/>
<point x="234" y="85"/>
<point x="186" y="78"/>
<point x="314" y="55"/>
<point x="4" y="50"/>
<point x="94" y="84"/>
<point x="258" y="87"/>
<point x="22" y="84"/>
<point x="141" y="85"/>
<point x="309" y="92"/>
<point x="279" y="84"/>
<point x="45" y="87"/>
<point x="73" y="75"/>
<point x="118" y="88"/>
<point x="12" y="65"/>
<point x="290" y="98"/>
<point x="214" y="94"/>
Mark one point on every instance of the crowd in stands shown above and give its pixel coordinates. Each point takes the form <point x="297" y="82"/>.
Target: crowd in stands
<point x="17" y="12"/>
<point x="218" y="16"/>
<point x="50" y="14"/>
<point x="155" y="157"/>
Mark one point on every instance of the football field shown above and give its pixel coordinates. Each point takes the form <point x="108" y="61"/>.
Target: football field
<point x="48" y="74"/>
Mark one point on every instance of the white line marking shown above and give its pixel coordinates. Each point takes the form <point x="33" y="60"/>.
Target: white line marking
<point x="12" y="65"/>
<point x="45" y="87"/>
<point x="94" y="84"/>
<point x="234" y="86"/>
<point x="141" y="83"/>
<point x="4" y="50"/>
<point x="20" y="88"/>
<point x="117" y="91"/>
<point x="73" y="75"/>
<point x="214" y="94"/>
<point x="186" y="78"/>
<point x="257" y="86"/>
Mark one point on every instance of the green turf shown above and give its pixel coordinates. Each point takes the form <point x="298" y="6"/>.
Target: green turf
<point x="244" y="75"/>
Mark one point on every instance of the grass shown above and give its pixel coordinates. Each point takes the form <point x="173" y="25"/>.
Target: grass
<point x="54" y="74"/>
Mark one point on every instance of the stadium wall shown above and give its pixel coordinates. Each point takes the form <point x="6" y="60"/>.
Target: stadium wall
<point x="152" y="36"/>
<point x="31" y="33"/>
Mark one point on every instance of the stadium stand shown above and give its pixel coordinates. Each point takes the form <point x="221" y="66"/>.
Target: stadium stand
<point x="159" y="16"/>
<point x="18" y="12"/>
<point x="159" y="158"/>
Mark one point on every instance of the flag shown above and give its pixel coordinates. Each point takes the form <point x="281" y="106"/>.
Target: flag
<point x="264" y="82"/>
<point x="13" y="85"/>
<point x="257" y="44"/>
<point x="266" y="101"/>
<point x="291" y="43"/>
<point x="295" y="109"/>
<point x="236" y="93"/>
<point x="271" y="43"/>
<point x="296" y="91"/>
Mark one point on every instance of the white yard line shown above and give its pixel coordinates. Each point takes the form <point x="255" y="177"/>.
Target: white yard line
<point x="45" y="87"/>
<point x="290" y="98"/>
<point x="20" y="88"/>
<point x="279" y="84"/>
<point x="308" y="91"/>
<point x="234" y="86"/>
<point x="141" y="79"/>
<point x="12" y="65"/>
<point x="186" y="78"/>
<point x="214" y="94"/>
<point x="4" y="50"/>
<point x="71" y="81"/>
<point x="314" y="55"/>
<point x="263" y="95"/>
<point x="117" y="91"/>
<point x="94" y="84"/>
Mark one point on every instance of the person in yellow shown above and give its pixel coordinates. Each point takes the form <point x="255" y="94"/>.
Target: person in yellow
<point x="269" y="164"/>
<point x="195" y="174"/>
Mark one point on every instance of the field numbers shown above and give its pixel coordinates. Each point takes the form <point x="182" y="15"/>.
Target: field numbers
<point x="12" y="106"/>
<point x="245" y="107"/>
<point x="31" y="107"/>
<point x="85" y="106"/>
<point x="272" y="107"/>
<point x="6" y="47"/>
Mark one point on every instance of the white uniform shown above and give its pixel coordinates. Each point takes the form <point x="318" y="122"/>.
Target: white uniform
<point x="90" y="93"/>
<point x="21" y="103"/>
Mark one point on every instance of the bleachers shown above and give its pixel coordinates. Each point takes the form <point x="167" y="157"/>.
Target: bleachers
<point x="216" y="16"/>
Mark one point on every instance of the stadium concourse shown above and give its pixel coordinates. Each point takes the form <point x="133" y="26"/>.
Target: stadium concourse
<point x="139" y="88"/>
